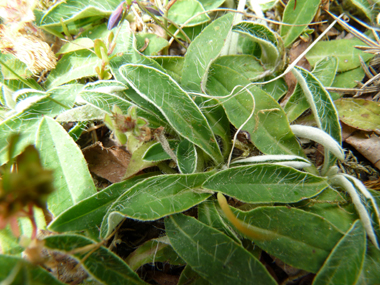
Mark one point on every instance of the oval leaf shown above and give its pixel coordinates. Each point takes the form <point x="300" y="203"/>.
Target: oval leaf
<point x="34" y="275"/>
<point x="348" y="56"/>
<point x="203" y="50"/>
<point x="345" y="262"/>
<point x="187" y="157"/>
<point x="175" y="104"/>
<point x="183" y="10"/>
<point x="267" y="40"/>
<point x="298" y="13"/>
<point x="218" y="259"/>
<point x="71" y="66"/>
<point x="102" y="264"/>
<point x="298" y="238"/>
<point x="155" y="198"/>
<point x="269" y="138"/>
<point x="60" y="153"/>
<point x="89" y="212"/>
<point x="359" y="113"/>
<point x="266" y="183"/>
<point x="325" y="71"/>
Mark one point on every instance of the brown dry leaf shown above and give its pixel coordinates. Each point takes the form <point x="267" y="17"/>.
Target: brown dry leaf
<point x="109" y="163"/>
<point x="296" y="49"/>
<point x="347" y="131"/>
<point x="369" y="147"/>
<point x="157" y="30"/>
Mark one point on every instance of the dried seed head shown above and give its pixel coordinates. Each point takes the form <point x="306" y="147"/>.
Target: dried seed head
<point x="31" y="50"/>
<point x="17" y="12"/>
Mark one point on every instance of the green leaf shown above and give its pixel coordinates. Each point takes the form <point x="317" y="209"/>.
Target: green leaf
<point x="276" y="89"/>
<point x="247" y="65"/>
<point x="72" y="66"/>
<point x="322" y="107"/>
<point x="325" y="71"/>
<point x="104" y="100"/>
<point x="61" y="98"/>
<point x="209" y="215"/>
<point x="35" y="105"/>
<point x="332" y="206"/>
<point x="102" y="264"/>
<point x="213" y="255"/>
<point x="155" y="250"/>
<point x="173" y="65"/>
<point x="211" y="4"/>
<point x="13" y="72"/>
<point x="157" y="153"/>
<point x="30" y="274"/>
<point x="269" y="138"/>
<point x="77" y="44"/>
<point x="371" y="270"/>
<point x="155" y="43"/>
<point x="136" y="163"/>
<point x="71" y="10"/>
<point x="345" y="262"/>
<point x="364" y="6"/>
<point x="76" y="131"/>
<point x="271" y="50"/>
<point x="344" y="50"/>
<point x="190" y="277"/>
<point x="26" y="124"/>
<point x="156" y="197"/>
<point x="60" y="153"/>
<point x="89" y="212"/>
<point x="359" y="113"/>
<point x="178" y="108"/>
<point x="8" y="242"/>
<point x="191" y="32"/>
<point x="347" y="79"/>
<point x="17" y="66"/>
<point x="297" y="14"/>
<point x="320" y="103"/>
<point x="81" y="114"/>
<point x="202" y="51"/>
<point x="183" y="10"/>
<point x="298" y="238"/>
<point x="266" y="183"/>
<point x="27" y="121"/>
<point x="187" y="157"/>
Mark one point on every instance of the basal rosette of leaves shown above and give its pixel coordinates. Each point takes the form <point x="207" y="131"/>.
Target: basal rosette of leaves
<point x="181" y="119"/>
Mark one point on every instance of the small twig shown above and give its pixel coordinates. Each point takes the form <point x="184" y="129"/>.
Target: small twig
<point x="353" y="90"/>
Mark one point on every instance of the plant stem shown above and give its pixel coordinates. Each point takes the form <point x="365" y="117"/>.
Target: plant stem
<point x="26" y="82"/>
<point x="160" y="24"/>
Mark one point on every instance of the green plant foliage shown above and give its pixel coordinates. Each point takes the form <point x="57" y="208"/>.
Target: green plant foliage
<point x="152" y="199"/>
<point x="359" y="113"/>
<point x="324" y="71"/>
<point x="183" y="10"/>
<point x="249" y="184"/>
<point x="89" y="212"/>
<point x="102" y="264"/>
<point x="187" y="104"/>
<point x="297" y="13"/>
<point x="229" y="261"/>
<point x="343" y="50"/>
<point x="346" y="259"/>
<point x="17" y="271"/>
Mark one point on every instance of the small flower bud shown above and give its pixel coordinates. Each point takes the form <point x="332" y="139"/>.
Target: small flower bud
<point x="115" y="17"/>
